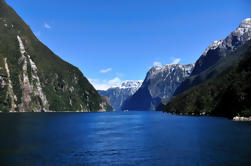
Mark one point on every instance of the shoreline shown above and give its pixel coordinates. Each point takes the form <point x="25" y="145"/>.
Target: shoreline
<point x="57" y="112"/>
<point x="236" y="118"/>
<point x="244" y="119"/>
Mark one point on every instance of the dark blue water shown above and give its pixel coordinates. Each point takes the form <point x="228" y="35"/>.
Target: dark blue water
<point x="122" y="138"/>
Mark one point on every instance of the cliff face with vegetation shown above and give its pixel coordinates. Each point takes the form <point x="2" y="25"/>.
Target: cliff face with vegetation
<point x="228" y="94"/>
<point x="33" y="78"/>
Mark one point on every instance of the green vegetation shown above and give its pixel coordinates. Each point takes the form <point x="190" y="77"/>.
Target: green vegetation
<point x="65" y="87"/>
<point x="228" y="94"/>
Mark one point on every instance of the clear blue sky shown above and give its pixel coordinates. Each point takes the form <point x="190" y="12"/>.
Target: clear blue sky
<point x="113" y="40"/>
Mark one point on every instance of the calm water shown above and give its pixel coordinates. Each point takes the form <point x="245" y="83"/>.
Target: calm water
<point x="122" y="138"/>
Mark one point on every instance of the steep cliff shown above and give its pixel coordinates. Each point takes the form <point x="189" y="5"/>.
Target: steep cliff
<point x="159" y="85"/>
<point x="33" y="78"/>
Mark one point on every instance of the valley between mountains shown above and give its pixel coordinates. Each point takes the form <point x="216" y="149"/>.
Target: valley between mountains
<point x="34" y="79"/>
<point x="218" y="83"/>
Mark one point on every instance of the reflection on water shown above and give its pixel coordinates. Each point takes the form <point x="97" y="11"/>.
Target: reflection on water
<point x="122" y="138"/>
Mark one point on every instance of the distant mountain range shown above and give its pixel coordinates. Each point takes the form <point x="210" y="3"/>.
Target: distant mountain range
<point x="33" y="78"/>
<point x="119" y="94"/>
<point x="159" y="85"/>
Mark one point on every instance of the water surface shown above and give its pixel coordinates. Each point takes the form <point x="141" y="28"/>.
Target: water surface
<point x="122" y="138"/>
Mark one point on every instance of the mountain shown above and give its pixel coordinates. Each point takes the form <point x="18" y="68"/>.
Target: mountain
<point x="107" y="101"/>
<point x="33" y="78"/>
<point x="159" y="85"/>
<point x="228" y="94"/>
<point x="214" y="53"/>
<point x="119" y="94"/>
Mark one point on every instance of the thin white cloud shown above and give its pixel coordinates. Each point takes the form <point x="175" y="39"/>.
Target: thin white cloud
<point x="157" y="64"/>
<point x="105" y="70"/>
<point x="115" y="81"/>
<point x="47" y="26"/>
<point x="176" y="61"/>
<point x="105" y="84"/>
<point x="119" y="74"/>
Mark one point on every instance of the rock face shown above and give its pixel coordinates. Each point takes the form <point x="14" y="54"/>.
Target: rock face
<point x="216" y="51"/>
<point x="159" y="85"/>
<point x="106" y="105"/>
<point x="227" y="95"/>
<point x="119" y="94"/>
<point x="33" y="78"/>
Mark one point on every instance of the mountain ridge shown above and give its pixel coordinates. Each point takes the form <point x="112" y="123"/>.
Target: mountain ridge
<point x="37" y="79"/>
<point x="159" y="84"/>
<point x="227" y="95"/>
<point x="214" y="52"/>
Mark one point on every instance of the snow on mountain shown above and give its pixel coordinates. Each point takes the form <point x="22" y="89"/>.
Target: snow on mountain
<point x="128" y="84"/>
<point x="159" y="84"/>
<point x="120" y="93"/>
<point x="238" y="37"/>
<point x="215" y="52"/>
<point x="162" y="81"/>
<point x="220" y="48"/>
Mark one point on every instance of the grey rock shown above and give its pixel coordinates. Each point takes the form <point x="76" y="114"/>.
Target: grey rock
<point x="118" y="95"/>
<point x="216" y="51"/>
<point x="159" y="85"/>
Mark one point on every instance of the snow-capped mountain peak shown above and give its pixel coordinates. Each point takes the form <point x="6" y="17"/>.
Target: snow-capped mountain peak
<point x="235" y="39"/>
<point x="120" y="93"/>
<point x="159" y="84"/>
<point x="131" y="84"/>
<point x="169" y="68"/>
<point x="246" y="24"/>
<point x="213" y="46"/>
<point x="215" y="52"/>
